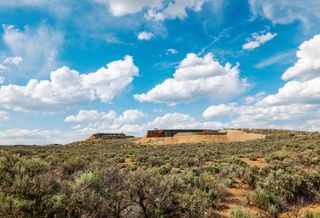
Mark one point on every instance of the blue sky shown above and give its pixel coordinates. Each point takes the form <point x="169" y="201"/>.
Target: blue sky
<point x="70" y="69"/>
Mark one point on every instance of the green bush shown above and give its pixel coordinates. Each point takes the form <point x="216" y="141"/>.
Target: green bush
<point x="253" y="157"/>
<point x="309" y="214"/>
<point x="165" y="169"/>
<point x="238" y="213"/>
<point x="288" y="186"/>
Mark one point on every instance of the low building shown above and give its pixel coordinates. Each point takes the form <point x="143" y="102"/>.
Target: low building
<point x="172" y="132"/>
<point x="109" y="136"/>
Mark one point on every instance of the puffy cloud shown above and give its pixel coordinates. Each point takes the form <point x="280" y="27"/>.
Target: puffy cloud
<point x="91" y="115"/>
<point x="129" y="116"/>
<point x="172" y="120"/>
<point x="157" y="9"/>
<point x="195" y="78"/>
<point x="218" y="111"/>
<point x="308" y="64"/>
<point x="176" y="9"/>
<point x="38" y="47"/>
<point x="4" y="116"/>
<point x="124" y="7"/>
<point x="287" y="11"/>
<point x="294" y="106"/>
<point x="171" y="51"/>
<point x="307" y="92"/>
<point x="145" y="36"/>
<point x="257" y="40"/>
<point x="304" y="78"/>
<point x="291" y="116"/>
<point x="67" y="87"/>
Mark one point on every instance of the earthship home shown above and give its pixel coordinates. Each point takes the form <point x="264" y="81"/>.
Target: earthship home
<point x="158" y="133"/>
<point x="109" y="136"/>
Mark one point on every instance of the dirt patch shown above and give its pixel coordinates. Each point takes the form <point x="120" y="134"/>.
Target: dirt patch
<point x="239" y="197"/>
<point x="301" y="211"/>
<point x="231" y="136"/>
<point x="128" y="161"/>
<point x="260" y="162"/>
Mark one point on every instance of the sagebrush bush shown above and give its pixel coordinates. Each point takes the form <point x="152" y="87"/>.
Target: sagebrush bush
<point x="265" y="201"/>
<point x="289" y="186"/>
<point x="238" y="213"/>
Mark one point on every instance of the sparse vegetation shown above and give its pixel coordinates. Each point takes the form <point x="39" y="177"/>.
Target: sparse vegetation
<point x="118" y="178"/>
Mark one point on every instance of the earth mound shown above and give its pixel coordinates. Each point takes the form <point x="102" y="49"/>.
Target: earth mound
<point x="231" y="136"/>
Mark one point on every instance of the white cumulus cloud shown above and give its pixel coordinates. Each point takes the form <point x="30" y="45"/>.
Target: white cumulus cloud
<point x="257" y="40"/>
<point x="124" y="7"/>
<point x="91" y="115"/>
<point x="129" y="116"/>
<point x="195" y="78"/>
<point x="145" y="36"/>
<point x="296" y="105"/>
<point x="175" y="9"/>
<point x="156" y="9"/>
<point x="308" y="64"/>
<point x="68" y="87"/>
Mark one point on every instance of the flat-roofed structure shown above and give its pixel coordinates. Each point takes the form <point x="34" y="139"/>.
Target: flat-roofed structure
<point x="158" y="133"/>
<point x="109" y="136"/>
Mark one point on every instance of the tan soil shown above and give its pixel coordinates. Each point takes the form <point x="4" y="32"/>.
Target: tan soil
<point x="300" y="212"/>
<point x="260" y="162"/>
<point x="239" y="197"/>
<point x="128" y="161"/>
<point x="231" y="136"/>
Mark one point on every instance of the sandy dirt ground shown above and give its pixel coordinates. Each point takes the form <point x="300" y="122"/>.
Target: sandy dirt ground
<point x="231" y="136"/>
<point x="239" y="197"/>
<point x="301" y="211"/>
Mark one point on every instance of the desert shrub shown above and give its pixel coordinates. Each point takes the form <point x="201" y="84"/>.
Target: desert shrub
<point x="155" y="162"/>
<point x="213" y="189"/>
<point x="119" y="159"/>
<point x="153" y="196"/>
<point x="238" y="213"/>
<point x="192" y="204"/>
<point x="213" y="169"/>
<point x="253" y="156"/>
<point x="250" y="177"/>
<point x="72" y="165"/>
<point x="164" y="169"/>
<point x="142" y="159"/>
<point x="314" y="177"/>
<point x="26" y="186"/>
<point x="273" y="210"/>
<point x="288" y="186"/>
<point x="229" y="182"/>
<point x="265" y="201"/>
<point x="309" y="214"/>
<point x="98" y="193"/>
